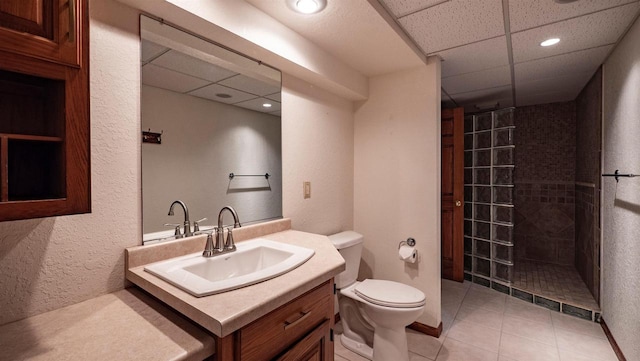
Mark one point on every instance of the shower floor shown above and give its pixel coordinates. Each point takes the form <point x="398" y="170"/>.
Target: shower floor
<point x="561" y="283"/>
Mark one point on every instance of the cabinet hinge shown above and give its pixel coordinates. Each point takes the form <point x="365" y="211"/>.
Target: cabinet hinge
<point x="331" y="335"/>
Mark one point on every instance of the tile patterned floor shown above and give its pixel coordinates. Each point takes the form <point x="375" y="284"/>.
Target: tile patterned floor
<point x="482" y="324"/>
<point x="560" y="283"/>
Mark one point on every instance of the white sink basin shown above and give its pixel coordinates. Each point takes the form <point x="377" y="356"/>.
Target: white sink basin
<point x="254" y="261"/>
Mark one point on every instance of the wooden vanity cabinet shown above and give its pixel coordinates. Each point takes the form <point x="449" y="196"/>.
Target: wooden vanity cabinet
<point x="298" y="331"/>
<point x="44" y="108"/>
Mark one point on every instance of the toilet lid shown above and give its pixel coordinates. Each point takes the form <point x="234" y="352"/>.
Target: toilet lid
<point x="390" y="294"/>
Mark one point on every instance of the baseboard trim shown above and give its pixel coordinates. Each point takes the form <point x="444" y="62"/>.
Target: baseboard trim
<point x="612" y="341"/>
<point x="427" y="330"/>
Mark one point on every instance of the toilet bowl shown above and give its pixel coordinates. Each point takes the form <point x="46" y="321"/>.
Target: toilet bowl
<point x="374" y="313"/>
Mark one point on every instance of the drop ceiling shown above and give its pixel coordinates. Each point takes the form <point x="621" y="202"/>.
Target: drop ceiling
<point x="490" y="48"/>
<point x="172" y="70"/>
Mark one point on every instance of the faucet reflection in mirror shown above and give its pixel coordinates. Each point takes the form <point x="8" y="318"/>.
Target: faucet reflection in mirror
<point x="209" y="102"/>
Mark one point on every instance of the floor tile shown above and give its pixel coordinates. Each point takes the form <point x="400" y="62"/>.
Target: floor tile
<point x="476" y="335"/>
<point x="524" y="349"/>
<point x="453" y="350"/>
<point x="529" y="311"/>
<point x="482" y="299"/>
<point x="424" y="345"/>
<point x="488" y="318"/>
<point x="577" y="325"/>
<point x="584" y="345"/>
<point x="536" y="331"/>
<point x="571" y="356"/>
<point x="342" y="351"/>
<point x="416" y="357"/>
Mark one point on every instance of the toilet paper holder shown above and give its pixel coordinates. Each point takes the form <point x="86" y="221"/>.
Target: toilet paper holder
<point x="409" y="242"/>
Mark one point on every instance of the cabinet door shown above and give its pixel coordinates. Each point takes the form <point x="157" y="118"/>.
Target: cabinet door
<point x="316" y="346"/>
<point x="46" y="29"/>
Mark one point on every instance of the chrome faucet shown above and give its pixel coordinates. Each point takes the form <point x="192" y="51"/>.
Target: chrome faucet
<point x="187" y="223"/>
<point x="229" y="246"/>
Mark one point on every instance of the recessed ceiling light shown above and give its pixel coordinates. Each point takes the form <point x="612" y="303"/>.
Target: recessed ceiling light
<point x="307" y="6"/>
<point x="223" y="95"/>
<point x="267" y="105"/>
<point x="565" y="1"/>
<point x="549" y="42"/>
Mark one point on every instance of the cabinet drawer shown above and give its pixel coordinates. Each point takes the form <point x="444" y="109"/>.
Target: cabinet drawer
<point x="270" y="335"/>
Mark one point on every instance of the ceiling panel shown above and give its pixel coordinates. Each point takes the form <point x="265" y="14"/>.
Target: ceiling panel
<point x="490" y="78"/>
<point x="171" y="80"/>
<point x="570" y="84"/>
<point x="211" y="92"/>
<point x="543" y="98"/>
<point x="186" y="64"/>
<point x="400" y="8"/>
<point x="256" y="104"/>
<point x="556" y="66"/>
<point x="585" y="32"/>
<point x="454" y="23"/>
<point x="526" y="14"/>
<point x="483" y="96"/>
<point x="151" y="50"/>
<point x="249" y="85"/>
<point x="277" y="97"/>
<point x="482" y="55"/>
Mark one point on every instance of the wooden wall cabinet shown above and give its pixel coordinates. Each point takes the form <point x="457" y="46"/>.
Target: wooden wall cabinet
<point x="298" y="331"/>
<point x="44" y="108"/>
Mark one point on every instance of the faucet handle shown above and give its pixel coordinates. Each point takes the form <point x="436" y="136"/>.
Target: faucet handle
<point x="177" y="227"/>
<point x="229" y="244"/>
<point x="196" y="226"/>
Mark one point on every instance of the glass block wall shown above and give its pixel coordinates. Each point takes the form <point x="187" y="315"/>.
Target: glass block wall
<point x="488" y="194"/>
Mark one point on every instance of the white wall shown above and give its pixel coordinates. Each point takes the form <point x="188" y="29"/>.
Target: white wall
<point x="621" y="201"/>
<point x="53" y="262"/>
<point x="202" y="142"/>
<point x="397" y="179"/>
<point x="317" y="146"/>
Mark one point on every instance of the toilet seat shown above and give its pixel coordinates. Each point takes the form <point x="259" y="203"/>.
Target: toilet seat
<point x="390" y="294"/>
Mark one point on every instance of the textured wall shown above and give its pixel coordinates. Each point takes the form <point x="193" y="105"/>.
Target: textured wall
<point x="588" y="146"/>
<point x="544" y="178"/>
<point x="621" y="201"/>
<point x="188" y="164"/>
<point x="397" y="179"/>
<point x="53" y="262"/>
<point x="317" y="146"/>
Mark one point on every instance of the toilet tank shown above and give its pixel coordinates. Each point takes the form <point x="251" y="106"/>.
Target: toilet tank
<point x="349" y="244"/>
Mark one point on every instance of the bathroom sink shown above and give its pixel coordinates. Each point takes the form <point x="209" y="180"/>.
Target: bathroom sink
<point x="254" y="261"/>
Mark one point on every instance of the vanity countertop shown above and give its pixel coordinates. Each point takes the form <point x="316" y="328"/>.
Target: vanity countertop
<point x="224" y="313"/>
<point x="124" y="325"/>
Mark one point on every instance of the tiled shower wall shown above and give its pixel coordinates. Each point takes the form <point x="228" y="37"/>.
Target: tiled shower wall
<point x="588" y="147"/>
<point x="545" y="183"/>
<point x="488" y="209"/>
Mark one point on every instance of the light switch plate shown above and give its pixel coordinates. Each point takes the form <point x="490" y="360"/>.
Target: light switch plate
<point x="307" y="189"/>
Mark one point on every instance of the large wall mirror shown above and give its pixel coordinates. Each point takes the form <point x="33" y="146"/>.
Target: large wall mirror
<point x="218" y="113"/>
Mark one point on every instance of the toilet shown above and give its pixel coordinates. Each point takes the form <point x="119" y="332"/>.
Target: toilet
<point x="374" y="313"/>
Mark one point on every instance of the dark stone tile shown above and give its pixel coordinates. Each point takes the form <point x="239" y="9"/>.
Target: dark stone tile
<point x="468" y="158"/>
<point x="468" y="228"/>
<point x="468" y="176"/>
<point x="468" y="210"/>
<point x="547" y="303"/>
<point x="468" y="193"/>
<point x="500" y="287"/>
<point x="525" y="296"/>
<point x="596" y="317"/>
<point x="468" y="263"/>
<point x="577" y="312"/>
